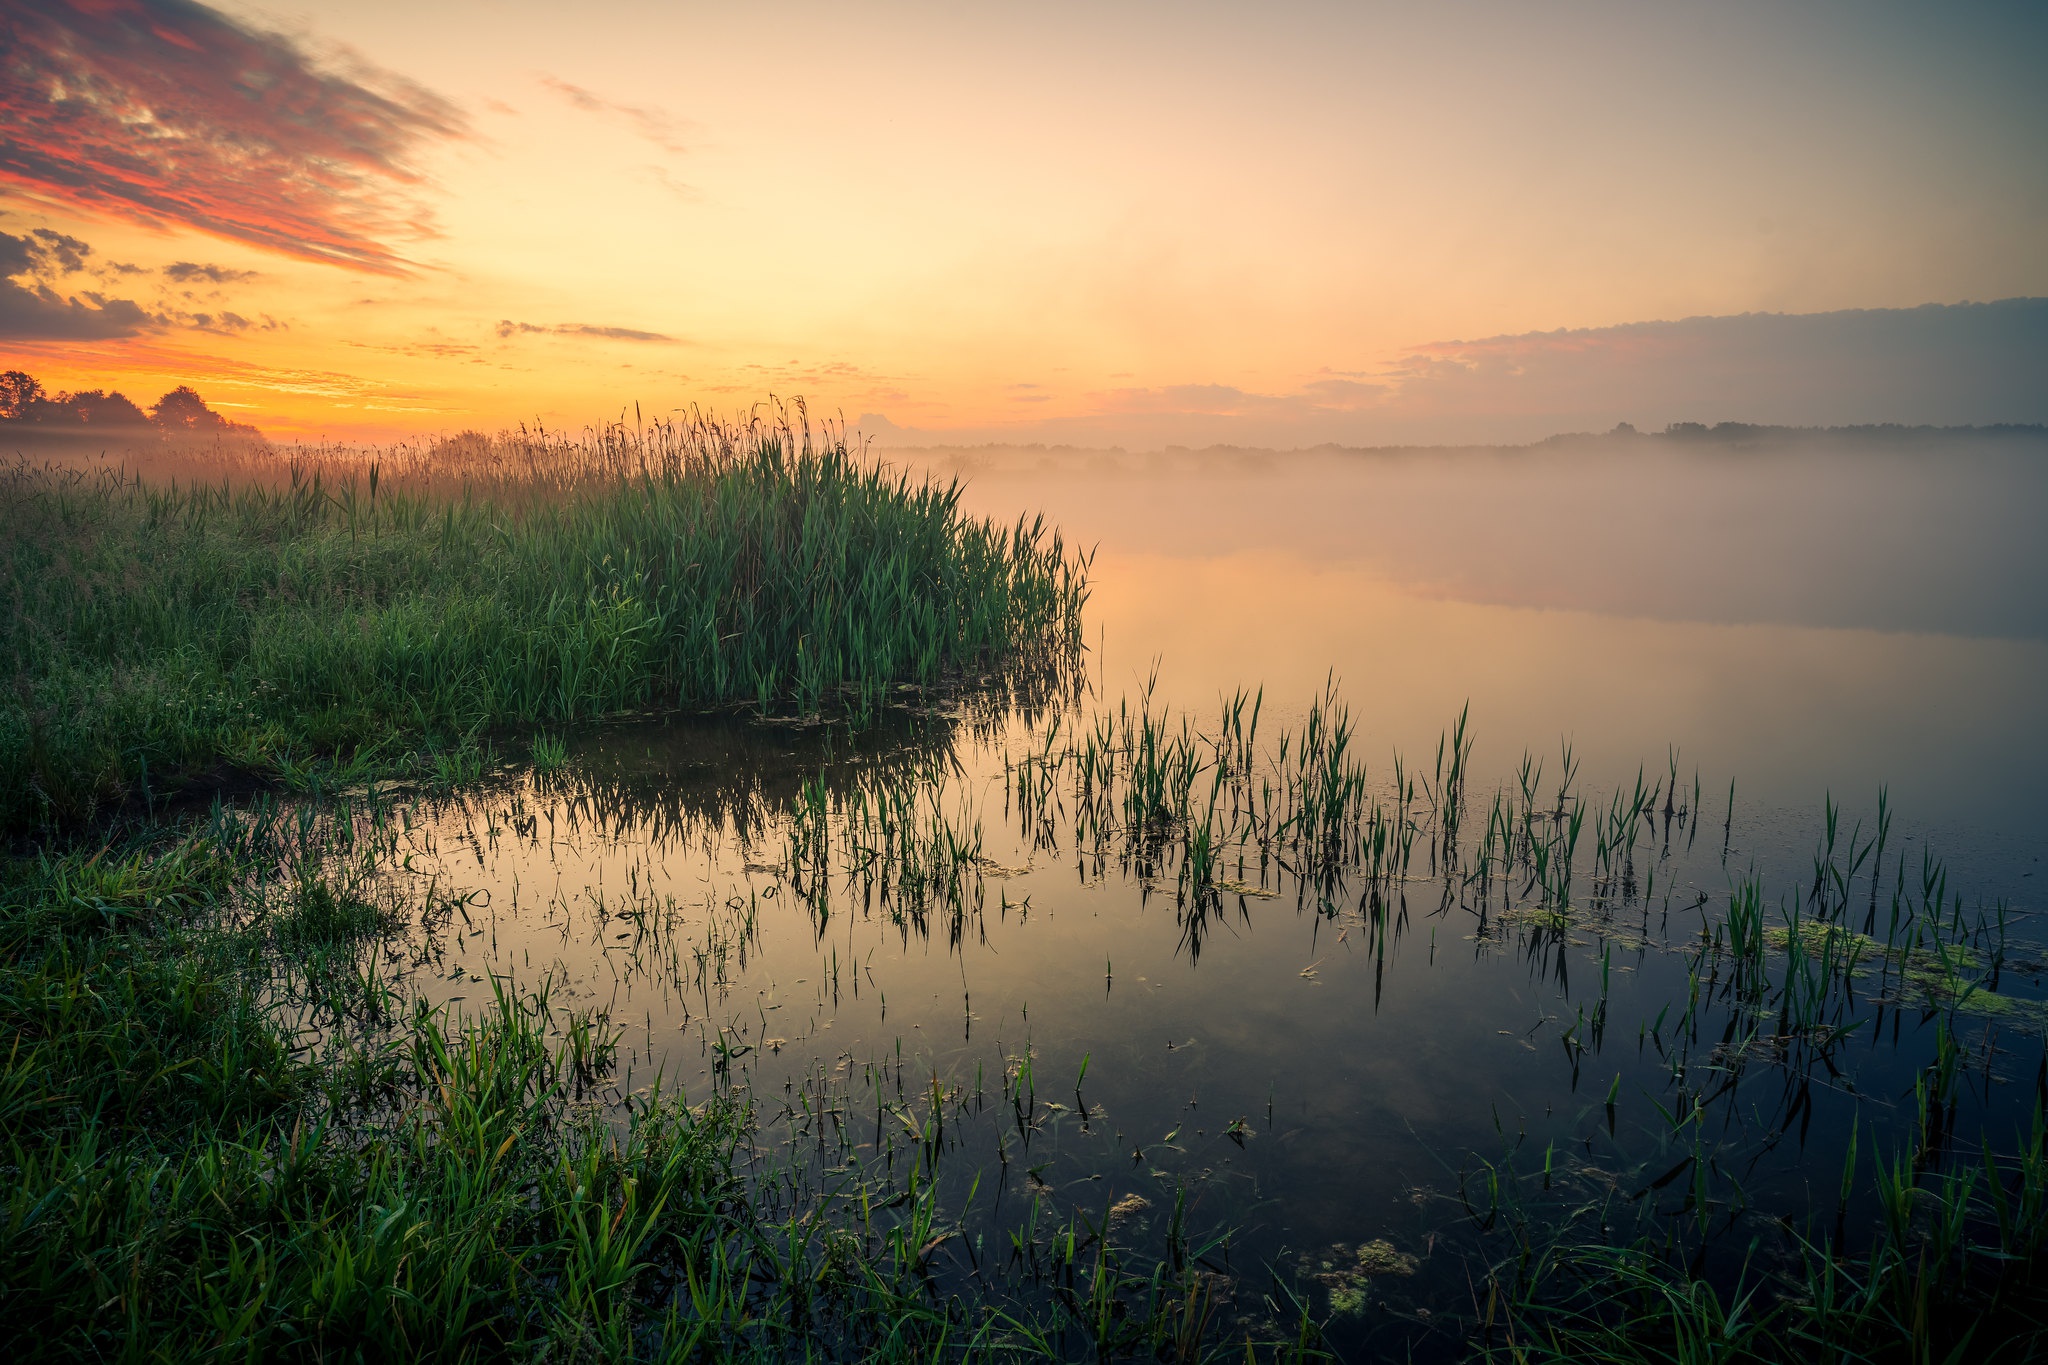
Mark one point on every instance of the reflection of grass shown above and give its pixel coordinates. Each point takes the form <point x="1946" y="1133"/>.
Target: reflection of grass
<point x="1791" y="988"/>
<point x="424" y="1185"/>
<point x="282" y="624"/>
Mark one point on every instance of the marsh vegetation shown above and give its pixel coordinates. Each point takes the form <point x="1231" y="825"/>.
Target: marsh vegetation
<point x="355" y="615"/>
<point x="928" y="997"/>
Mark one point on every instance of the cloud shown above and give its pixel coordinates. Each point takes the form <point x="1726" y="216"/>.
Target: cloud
<point x="43" y="315"/>
<point x="1941" y="364"/>
<point x="657" y="125"/>
<point x="189" y="272"/>
<point x="168" y="112"/>
<point x="54" y="250"/>
<point x="1938" y="365"/>
<point x="689" y="194"/>
<point x="33" y="311"/>
<point x="509" y="328"/>
<point x="228" y="323"/>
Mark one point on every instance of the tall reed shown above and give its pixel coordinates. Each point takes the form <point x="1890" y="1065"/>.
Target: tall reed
<point x="336" y="607"/>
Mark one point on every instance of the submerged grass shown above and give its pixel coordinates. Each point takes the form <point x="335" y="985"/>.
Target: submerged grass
<point x="214" y="1150"/>
<point x="1933" y="1253"/>
<point x="340" y="617"/>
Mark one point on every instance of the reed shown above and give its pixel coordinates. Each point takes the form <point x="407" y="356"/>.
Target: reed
<point x="331" y="611"/>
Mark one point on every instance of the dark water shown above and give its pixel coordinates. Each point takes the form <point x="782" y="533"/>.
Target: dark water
<point x="1311" y="1059"/>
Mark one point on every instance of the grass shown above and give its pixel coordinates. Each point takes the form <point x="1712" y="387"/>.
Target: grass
<point x="341" y="617"/>
<point x="215" y="1150"/>
<point x="227" y="1129"/>
<point x="1933" y="1253"/>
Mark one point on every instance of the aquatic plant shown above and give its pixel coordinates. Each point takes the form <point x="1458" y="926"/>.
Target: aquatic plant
<point x="318" y="615"/>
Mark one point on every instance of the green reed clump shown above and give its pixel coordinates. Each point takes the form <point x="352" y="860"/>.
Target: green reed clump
<point x="336" y="610"/>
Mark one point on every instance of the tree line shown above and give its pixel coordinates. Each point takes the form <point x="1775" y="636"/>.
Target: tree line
<point x="24" y="402"/>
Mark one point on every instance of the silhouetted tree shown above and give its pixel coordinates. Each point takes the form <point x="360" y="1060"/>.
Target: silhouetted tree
<point x="96" y="408"/>
<point x="182" y="409"/>
<point x="23" y="400"/>
<point x="19" y="395"/>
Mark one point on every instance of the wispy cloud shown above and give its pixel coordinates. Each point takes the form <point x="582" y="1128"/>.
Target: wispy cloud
<point x="656" y="124"/>
<point x="509" y="328"/>
<point x="191" y="272"/>
<point x="169" y="112"/>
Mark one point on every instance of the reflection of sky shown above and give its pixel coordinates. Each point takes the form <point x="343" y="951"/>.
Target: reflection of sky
<point x="1366" y="1080"/>
<point x="1936" y="535"/>
<point x="1803" y="622"/>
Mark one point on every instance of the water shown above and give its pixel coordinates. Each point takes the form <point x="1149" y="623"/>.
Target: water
<point x="1317" y="1060"/>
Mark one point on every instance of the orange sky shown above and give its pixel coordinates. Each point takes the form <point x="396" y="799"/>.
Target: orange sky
<point x="1064" y="221"/>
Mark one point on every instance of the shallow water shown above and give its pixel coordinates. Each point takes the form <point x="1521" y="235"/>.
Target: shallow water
<point x="1316" y="1062"/>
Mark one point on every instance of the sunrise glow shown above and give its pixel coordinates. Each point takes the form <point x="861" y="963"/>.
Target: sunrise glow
<point x="1129" y="226"/>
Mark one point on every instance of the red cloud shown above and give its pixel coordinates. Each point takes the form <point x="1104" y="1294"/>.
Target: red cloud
<point x="168" y="112"/>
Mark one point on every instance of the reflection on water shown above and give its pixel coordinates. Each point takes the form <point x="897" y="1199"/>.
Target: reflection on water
<point x="1297" y="1020"/>
<point x="1812" y="616"/>
<point x="1325" y="1019"/>
<point x="1931" y="533"/>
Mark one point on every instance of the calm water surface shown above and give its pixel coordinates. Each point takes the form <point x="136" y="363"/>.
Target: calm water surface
<point x="1315" y="1061"/>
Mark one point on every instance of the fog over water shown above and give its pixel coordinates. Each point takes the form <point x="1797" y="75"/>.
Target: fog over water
<point x="1805" y="612"/>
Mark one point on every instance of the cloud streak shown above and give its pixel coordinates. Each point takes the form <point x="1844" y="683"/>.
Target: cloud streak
<point x="509" y="328"/>
<point x="170" y="113"/>
<point x="658" y="126"/>
<point x="192" y="272"/>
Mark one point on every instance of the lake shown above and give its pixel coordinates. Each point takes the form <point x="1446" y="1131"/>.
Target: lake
<point x="1073" y="963"/>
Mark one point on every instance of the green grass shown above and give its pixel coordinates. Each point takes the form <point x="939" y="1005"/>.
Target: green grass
<point x="221" y="1146"/>
<point x="345" y="617"/>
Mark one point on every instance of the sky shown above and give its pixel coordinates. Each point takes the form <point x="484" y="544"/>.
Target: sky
<point x="1135" y="224"/>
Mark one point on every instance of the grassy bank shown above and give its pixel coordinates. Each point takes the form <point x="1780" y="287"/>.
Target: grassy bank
<point x="346" y="612"/>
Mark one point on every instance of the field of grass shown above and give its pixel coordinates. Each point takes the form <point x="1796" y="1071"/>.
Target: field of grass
<point x="353" y="615"/>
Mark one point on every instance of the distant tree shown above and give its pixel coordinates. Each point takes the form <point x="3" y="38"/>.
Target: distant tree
<point x="19" y="395"/>
<point x="96" y="408"/>
<point x="182" y="409"/>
